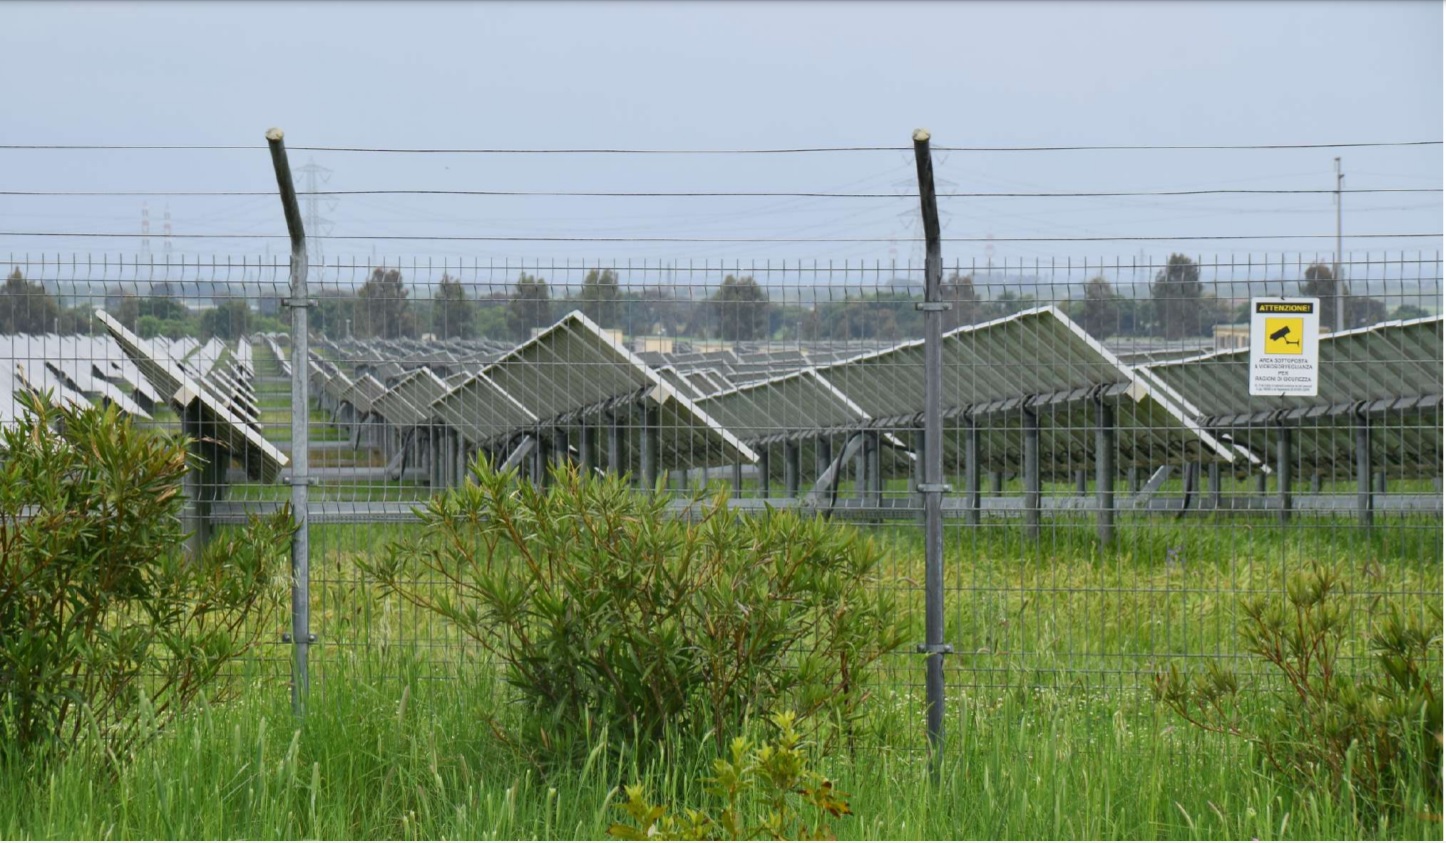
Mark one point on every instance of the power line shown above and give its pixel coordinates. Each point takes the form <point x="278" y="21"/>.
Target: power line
<point x="547" y="239"/>
<point x="692" y="194"/>
<point x="765" y="151"/>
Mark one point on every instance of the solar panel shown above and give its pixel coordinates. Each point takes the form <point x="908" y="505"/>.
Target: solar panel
<point x="262" y="460"/>
<point x="1391" y="372"/>
<point x="573" y="370"/>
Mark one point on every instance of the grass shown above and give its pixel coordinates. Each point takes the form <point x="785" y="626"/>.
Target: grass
<point x="385" y="752"/>
<point x="1050" y="732"/>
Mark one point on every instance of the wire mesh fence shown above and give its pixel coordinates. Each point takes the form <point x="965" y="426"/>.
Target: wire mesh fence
<point x="1115" y="491"/>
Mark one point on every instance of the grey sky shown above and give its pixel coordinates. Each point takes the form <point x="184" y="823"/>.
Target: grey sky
<point x="727" y="75"/>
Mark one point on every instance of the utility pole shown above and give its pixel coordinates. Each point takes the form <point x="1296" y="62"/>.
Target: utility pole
<point x="1340" y="278"/>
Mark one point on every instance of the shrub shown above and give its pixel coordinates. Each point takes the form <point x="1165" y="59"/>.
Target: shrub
<point x="103" y="620"/>
<point x="1375" y="739"/>
<point x="605" y="609"/>
<point x="767" y="792"/>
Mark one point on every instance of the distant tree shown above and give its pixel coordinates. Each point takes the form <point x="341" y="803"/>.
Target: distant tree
<point x="331" y="315"/>
<point x="1409" y="311"/>
<point x="162" y="315"/>
<point x="163" y="306"/>
<point x="1320" y="282"/>
<point x="228" y="320"/>
<point x="740" y="309"/>
<point x="78" y="320"/>
<point x="530" y="306"/>
<point x="648" y="310"/>
<point x="958" y="291"/>
<point x="382" y="309"/>
<point x="1007" y="304"/>
<point x="453" y="314"/>
<point x="25" y="307"/>
<point x="600" y="297"/>
<point x="880" y="316"/>
<point x="1363" y="310"/>
<point x="490" y="321"/>
<point x="128" y="310"/>
<point x="1177" y="291"/>
<point x="1100" y="313"/>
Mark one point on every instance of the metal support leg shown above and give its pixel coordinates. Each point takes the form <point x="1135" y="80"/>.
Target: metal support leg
<point x="1214" y="472"/>
<point x="918" y="472"/>
<point x="971" y="473"/>
<point x="649" y="443"/>
<point x="764" y="470"/>
<point x="615" y="446"/>
<point x="1365" y="501"/>
<point x="876" y="471"/>
<point x="1282" y="470"/>
<point x="822" y="455"/>
<point x="1105" y="471"/>
<point x="1031" y="474"/>
<point x="587" y="448"/>
<point x="791" y="468"/>
<point x="205" y="482"/>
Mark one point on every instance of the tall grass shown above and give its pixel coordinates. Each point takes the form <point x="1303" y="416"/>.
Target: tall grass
<point x="385" y="752"/>
<point x="1050" y="732"/>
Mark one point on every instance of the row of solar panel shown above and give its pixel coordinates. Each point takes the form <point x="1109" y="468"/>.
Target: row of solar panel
<point x="1032" y="368"/>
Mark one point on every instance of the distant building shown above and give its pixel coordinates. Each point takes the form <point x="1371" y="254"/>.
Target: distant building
<point x="638" y="345"/>
<point x="1232" y="337"/>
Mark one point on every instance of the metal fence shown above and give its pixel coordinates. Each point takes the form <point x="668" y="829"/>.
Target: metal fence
<point x="1110" y="490"/>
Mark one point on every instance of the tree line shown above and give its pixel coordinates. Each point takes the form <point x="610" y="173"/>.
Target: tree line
<point x="1178" y="307"/>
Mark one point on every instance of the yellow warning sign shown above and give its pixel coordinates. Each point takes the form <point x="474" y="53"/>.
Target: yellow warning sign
<point x="1283" y="335"/>
<point x="1285" y="346"/>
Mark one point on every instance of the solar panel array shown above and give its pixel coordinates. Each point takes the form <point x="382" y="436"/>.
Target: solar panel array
<point x="1024" y="387"/>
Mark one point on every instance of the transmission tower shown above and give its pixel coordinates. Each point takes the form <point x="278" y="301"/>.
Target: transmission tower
<point x="317" y="225"/>
<point x="910" y="218"/>
<point x="146" y="231"/>
<point x="166" y="232"/>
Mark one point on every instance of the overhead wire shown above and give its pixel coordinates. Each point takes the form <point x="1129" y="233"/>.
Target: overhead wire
<point x="736" y="151"/>
<point x="720" y="194"/>
<point x="551" y="239"/>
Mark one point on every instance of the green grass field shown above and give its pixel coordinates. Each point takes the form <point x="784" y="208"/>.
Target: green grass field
<point x="1051" y="732"/>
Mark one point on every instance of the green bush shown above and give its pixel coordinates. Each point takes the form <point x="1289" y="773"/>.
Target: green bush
<point x="104" y="622"/>
<point x="607" y="610"/>
<point x="767" y="791"/>
<point x="1374" y="739"/>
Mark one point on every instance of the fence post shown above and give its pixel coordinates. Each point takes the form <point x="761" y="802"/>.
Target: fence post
<point x="301" y="637"/>
<point x="932" y="489"/>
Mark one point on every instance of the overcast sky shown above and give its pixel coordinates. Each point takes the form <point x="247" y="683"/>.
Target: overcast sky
<point x="694" y="75"/>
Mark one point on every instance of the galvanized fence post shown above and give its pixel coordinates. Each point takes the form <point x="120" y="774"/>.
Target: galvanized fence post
<point x="301" y="637"/>
<point x="933" y="488"/>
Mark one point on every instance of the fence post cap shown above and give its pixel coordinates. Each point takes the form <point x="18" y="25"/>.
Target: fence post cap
<point x="274" y="134"/>
<point x="921" y="135"/>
